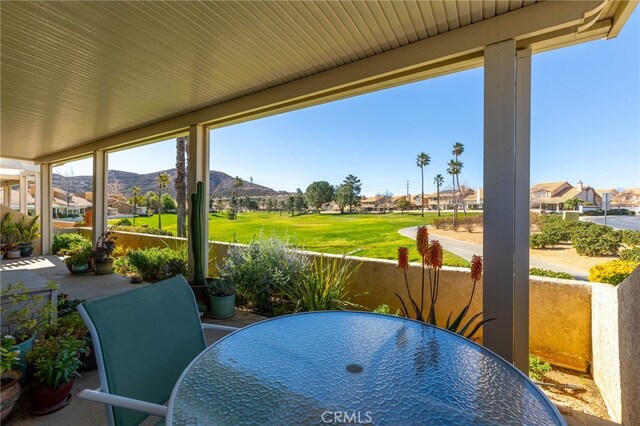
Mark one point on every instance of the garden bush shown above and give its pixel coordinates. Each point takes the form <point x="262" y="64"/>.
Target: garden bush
<point x="596" y="240"/>
<point x="539" y="272"/>
<point x="613" y="272"/>
<point x="152" y="263"/>
<point x="469" y="223"/>
<point x="440" y="223"/>
<point x="538" y="368"/>
<point x="262" y="268"/>
<point x="543" y="240"/>
<point x="124" y="222"/>
<point x="65" y="241"/>
<point x="631" y="238"/>
<point x="145" y="230"/>
<point x="632" y="254"/>
<point x="323" y="288"/>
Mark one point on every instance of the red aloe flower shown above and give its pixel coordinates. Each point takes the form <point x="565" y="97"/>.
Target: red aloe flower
<point x="476" y="267"/>
<point x="403" y="257"/>
<point x="422" y="241"/>
<point x="434" y="257"/>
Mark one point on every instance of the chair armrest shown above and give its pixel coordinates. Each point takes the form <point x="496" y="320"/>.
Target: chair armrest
<point x="124" y="402"/>
<point x="219" y="327"/>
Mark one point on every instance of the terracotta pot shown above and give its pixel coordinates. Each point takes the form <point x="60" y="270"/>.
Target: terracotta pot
<point x="45" y="398"/>
<point x="104" y="267"/>
<point x="9" y="393"/>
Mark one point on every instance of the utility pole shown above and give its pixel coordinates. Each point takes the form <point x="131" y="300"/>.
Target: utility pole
<point x="407" y="190"/>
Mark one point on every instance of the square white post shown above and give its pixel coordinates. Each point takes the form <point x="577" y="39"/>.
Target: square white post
<point x="198" y="170"/>
<point x="22" y="192"/>
<point x="6" y="188"/>
<point x="100" y="169"/>
<point x="44" y="197"/>
<point x="506" y="203"/>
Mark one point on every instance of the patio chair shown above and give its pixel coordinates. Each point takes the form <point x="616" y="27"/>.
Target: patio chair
<point x="144" y="339"/>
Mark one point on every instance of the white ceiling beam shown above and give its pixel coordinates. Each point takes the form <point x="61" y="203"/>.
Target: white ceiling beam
<point x="448" y="52"/>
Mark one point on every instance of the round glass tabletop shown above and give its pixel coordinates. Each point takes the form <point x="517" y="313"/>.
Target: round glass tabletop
<point x="353" y="367"/>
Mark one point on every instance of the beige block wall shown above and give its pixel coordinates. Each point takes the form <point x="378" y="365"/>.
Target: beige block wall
<point x="616" y="347"/>
<point x="560" y="310"/>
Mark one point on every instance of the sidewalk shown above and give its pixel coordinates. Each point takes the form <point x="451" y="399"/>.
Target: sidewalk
<point x="465" y="249"/>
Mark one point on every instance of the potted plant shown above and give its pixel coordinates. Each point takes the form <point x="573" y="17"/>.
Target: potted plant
<point x="29" y="231"/>
<point x="12" y="237"/>
<point x="25" y="315"/>
<point x="10" y="389"/>
<point x="53" y="365"/>
<point x="78" y="257"/>
<point x="222" y="292"/>
<point x="103" y="251"/>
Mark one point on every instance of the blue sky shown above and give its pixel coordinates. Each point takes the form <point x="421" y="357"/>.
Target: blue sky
<point x="585" y="125"/>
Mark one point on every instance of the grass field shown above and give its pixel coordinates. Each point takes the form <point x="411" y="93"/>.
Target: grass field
<point x="366" y="235"/>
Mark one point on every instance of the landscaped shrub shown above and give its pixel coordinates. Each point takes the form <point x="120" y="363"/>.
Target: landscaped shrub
<point x="440" y="223"/>
<point x="323" y="288"/>
<point x="543" y="240"/>
<point x="539" y="272"/>
<point x="613" y="272"/>
<point x="263" y="267"/>
<point x="538" y="368"/>
<point x="631" y="238"/>
<point x="65" y="241"/>
<point x="124" y="222"/>
<point x="596" y="240"/>
<point x="80" y="224"/>
<point x="632" y="254"/>
<point x="469" y="223"/>
<point x="144" y="230"/>
<point x="151" y="264"/>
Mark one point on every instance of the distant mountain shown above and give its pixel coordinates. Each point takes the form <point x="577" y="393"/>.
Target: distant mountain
<point x="221" y="184"/>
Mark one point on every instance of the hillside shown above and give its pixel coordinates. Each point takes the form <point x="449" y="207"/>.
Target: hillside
<point x="221" y="184"/>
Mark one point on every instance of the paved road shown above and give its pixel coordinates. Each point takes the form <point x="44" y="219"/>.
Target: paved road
<point x="616" y="222"/>
<point x="465" y="249"/>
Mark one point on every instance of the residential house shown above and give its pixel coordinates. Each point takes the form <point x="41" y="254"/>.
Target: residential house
<point x="627" y="199"/>
<point x="551" y="196"/>
<point x="474" y="200"/>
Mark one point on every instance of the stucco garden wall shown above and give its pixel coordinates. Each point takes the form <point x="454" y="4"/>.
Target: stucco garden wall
<point x="560" y="310"/>
<point x="616" y="347"/>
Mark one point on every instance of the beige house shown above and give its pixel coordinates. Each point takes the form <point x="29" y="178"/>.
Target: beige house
<point x="551" y="196"/>
<point x="627" y="199"/>
<point x="474" y="200"/>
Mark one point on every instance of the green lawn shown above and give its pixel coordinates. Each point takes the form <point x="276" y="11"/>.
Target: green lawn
<point x="366" y="235"/>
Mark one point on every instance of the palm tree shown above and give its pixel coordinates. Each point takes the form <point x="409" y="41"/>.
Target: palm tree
<point x="163" y="181"/>
<point x="180" y="184"/>
<point x="135" y="199"/>
<point x="439" y="181"/>
<point x="422" y="161"/>
<point x="458" y="149"/>
<point x="453" y="168"/>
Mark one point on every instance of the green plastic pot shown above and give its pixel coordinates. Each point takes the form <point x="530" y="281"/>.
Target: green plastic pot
<point x="223" y="306"/>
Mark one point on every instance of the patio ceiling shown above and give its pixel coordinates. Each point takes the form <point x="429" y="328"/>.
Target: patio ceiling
<point x="79" y="76"/>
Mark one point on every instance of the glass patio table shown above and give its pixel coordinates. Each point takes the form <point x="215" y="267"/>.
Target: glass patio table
<point x="353" y="367"/>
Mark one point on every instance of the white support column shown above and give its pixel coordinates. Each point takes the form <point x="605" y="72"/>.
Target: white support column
<point x="22" y="192"/>
<point x="44" y="197"/>
<point x="7" y="194"/>
<point x="36" y="194"/>
<point x="100" y="169"/>
<point x="199" y="171"/>
<point x="506" y="203"/>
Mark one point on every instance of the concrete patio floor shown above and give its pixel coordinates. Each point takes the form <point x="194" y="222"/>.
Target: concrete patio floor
<point x="91" y="286"/>
<point x="88" y="286"/>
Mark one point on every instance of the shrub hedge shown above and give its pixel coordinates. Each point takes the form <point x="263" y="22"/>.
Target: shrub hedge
<point x="145" y="230"/>
<point x="539" y="272"/>
<point x="65" y="241"/>
<point x="613" y="272"/>
<point x="632" y="254"/>
<point x="151" y="264"/>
